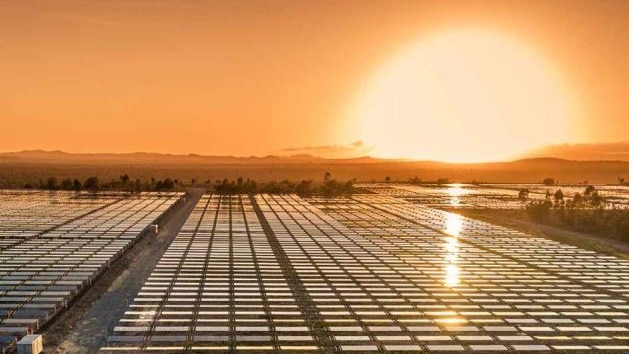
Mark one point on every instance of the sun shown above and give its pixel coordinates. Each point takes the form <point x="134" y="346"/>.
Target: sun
<point x="463" y="96"/>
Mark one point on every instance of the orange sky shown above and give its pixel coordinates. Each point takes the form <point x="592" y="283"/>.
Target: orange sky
<point x="259" y="77"/>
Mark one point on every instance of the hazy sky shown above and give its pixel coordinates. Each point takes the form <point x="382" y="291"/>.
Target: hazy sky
<point x="259" y="77"/>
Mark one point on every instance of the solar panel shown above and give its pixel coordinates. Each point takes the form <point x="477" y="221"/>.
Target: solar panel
<point x="370" y="273"/>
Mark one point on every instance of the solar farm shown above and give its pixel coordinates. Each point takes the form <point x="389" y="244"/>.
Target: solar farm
<point x="490" y="196"/>
<point x="382" y="271"/>
<point x="54" y="245"/>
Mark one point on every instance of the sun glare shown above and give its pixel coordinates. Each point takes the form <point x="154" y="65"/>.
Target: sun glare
<point x="454" y="224"/>
<point x="463" y="96"/>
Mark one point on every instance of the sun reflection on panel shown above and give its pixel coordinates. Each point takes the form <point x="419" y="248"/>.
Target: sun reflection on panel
<point x="452" y="275"/>
<point x="452" y="245"/>
<point x="454" y="224"/>
<point x="456" y="190"/>
<point x="451" y="320"/>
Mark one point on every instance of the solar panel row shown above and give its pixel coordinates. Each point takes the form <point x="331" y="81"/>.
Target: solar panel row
<point x="40" y="274"/>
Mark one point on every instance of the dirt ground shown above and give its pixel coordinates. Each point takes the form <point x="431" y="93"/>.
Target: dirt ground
<point x="85" y="325"/>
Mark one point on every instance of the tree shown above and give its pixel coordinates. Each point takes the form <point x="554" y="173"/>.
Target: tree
<point x="66" y="184"/>
<point x="251" y="186"/>
<point x="558" y="197"/>
<point x="124" y="178"/>
<point x="548" y="181"/>
<point x="327" y="176"/>
<point x="51" y="183"/>
<point x="595" y="200"/>
<point x="168" y="184"/>
<point x="589" y="198"/>
<point x="577" y="199"/>
<point x="415" y="180"/>
<point x="523" y="194"/>
<point x="76" y="185"/>
<point x="539" y="209"/>
<point x="165" y="184"/>
<point x="304" y="187"/>
<point x="387" y="179"/>
<point x="589" y="191"/>
<point x="92" y="184"/>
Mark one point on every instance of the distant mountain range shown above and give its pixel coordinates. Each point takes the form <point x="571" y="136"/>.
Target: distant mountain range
<point x="574" y="152"/>
<point x="18" y="168"/>
<point x="43" y="156"/>
<point x="584" y="152"/>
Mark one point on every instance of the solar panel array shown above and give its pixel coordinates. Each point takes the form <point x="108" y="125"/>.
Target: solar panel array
<point x="370" y="273"/>
<point x="45" y="262"/>
<point x="490" y="196"/>
<point x="614" y="195"/>
<point x="219" y="286"/>
<point x="26" y="214"/>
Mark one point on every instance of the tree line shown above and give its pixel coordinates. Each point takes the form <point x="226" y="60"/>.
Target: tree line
<point x="328" y="186"/>
<point x="94" y="184"/>
<point x="584" y="212"/>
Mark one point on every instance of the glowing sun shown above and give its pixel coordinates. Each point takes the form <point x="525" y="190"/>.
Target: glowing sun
<point x="463" y="95"/>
